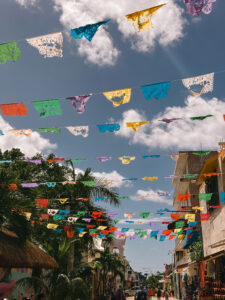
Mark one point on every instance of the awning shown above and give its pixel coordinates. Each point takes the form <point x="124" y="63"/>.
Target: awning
<point x="188" y="242"/>
<point x="214" y="256"/>
<point x="209" y="166"/>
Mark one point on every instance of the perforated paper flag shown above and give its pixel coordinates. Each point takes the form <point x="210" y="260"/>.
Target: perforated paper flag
<point x="9" y="51"/>
<point x="14" y="109"/>
<point x="156" y="91"/>
<point x="48" y="108"/>
<point x="206" y="81"/>
<point x="206" y="197"/>
<point x="88" y="31"/>
<point x="49" y="45"/>
<point x="79" y="130"/>
<point x="142" y="19"/>
<point x="123" y="96"/>
<point x="136" y="125"/>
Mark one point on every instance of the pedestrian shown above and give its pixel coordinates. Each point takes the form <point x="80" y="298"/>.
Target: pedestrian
<point x="184" y="292"/>
<point x="41" y="297"/>
<point x="141" y="295"/>
<point x="166" y="294"/>
<point x="159" y="293"/>
<point x="120" y="294"/>
<point x="150" y="293"/>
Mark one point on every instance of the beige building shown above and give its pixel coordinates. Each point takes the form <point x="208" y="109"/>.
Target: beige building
<point x="213" y="230"/>
<point x="187" y="163"/>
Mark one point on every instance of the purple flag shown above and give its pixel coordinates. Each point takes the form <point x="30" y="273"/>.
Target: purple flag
<point x="104" y="158"/>
<point x="29" y="185"/>
<point x="111" y="214"/>
<point x="195" y="7"/>
<point x="82" y="100"/>
<point x="163" y="193"/>
<point x="169" y="120"/>
<point x="36" y="161"/>
<point x="152" y="224"/>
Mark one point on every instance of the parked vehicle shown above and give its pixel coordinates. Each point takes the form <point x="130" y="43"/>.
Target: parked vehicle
<point x="132" y="291"/>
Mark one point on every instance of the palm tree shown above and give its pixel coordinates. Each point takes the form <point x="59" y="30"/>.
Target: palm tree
<point x="109" y="266"/>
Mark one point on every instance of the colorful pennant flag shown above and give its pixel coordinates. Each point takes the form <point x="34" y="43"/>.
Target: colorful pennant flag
<point x="142" y="19"/>
<point x="136" y="125"/>
<point x="14" y="109"/>
<point x="81" y="100"/>
<point x="9" y="51"/>
<point x="123" y="95"/>
<point x="157" y="90"/>
<point x="205" y="80"/>
<point x="48" y="108"/>
<point x="49" y="45"/>
<point x="88" y="31"/>
<point x="108" y="127"/>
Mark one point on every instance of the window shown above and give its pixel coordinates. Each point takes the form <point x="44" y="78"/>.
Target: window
<point x="212" y="187"/>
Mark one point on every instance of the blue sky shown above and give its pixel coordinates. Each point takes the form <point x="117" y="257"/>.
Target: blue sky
<point x="177" y="47"/>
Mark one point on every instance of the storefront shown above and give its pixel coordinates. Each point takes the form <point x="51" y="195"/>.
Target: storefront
<point x="213" y="277"/>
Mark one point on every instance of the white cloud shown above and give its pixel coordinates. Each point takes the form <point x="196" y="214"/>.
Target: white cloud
<point x="182" y="134"/>
<point x="114" y="175"/>
<point x="26" y="3"/>
<point x="168" y="24"/>
<point x="152" y="196"/>
<point x="29" y="146"/>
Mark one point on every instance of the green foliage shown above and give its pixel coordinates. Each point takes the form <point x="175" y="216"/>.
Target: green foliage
<point x="14" y="202"/>
<point x="153" y="281"/>
<point x="196" y="250"/>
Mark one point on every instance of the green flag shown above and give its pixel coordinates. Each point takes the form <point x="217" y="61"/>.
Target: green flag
<point x="179" y="224"/>
<point x="48" y="108"/>
<point x="206" y="197"/>
<point x="201" y="153"/>
<point x="188" y="176"/>
<point x="144" y="215"/>
<point x="9" y="51"/>
<point x="58" y="130"/>
<point x="89" y="183"/>
<point x="201" y="117"/>
<point x="78" y="159"/>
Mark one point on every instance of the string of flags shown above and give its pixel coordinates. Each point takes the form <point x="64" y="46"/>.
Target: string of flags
<point x="182" y="227"/>
<point x="51" y="107"/>
<point x="85" y="130"/>
<point x="108" y="181"/>
<point x="124" y="160"/>
<point x="51" y="45"/>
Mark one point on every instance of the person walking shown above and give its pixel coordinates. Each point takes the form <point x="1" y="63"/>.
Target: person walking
<point x="141" y="295"/>
<point x="166" y="294"/>
<point x="120" y="294"/>
<point x="159" y="293"/>
<point x="150" y="293"/>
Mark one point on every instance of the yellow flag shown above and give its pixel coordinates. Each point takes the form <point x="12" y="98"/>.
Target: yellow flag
<point x="126" y="159"/>
<point x="62" y="200"/>
<point x="142" y="19"/>
<point x="200" y="208"/>
<point x="190" y="217"/>
<point x="102" y="227"/>
<point x="82" y="234"/>
<point x="124" y="96"/>
<point x="181" y="236"/>
<point x="28" y="215"/>
<point x="150" y="178"/>
<point x="52" y="226"/>
<point x="136" y="125"/>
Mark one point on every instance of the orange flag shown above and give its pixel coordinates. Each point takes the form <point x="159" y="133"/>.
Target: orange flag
<point x="184" y="197"/>
<point x="211" y="174"/>
<point x="14" y="109"/>
<point x="175" y="216"/>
